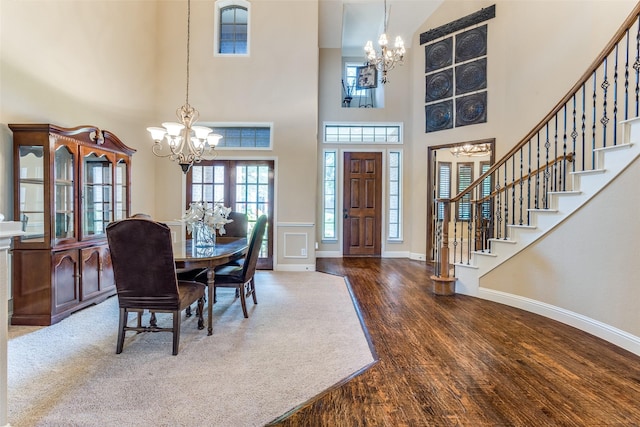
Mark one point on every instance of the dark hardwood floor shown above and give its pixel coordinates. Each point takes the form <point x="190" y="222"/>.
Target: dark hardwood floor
<point x="462" y="361"/>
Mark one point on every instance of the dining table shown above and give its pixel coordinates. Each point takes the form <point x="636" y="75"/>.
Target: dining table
<point x="188" y="254"/>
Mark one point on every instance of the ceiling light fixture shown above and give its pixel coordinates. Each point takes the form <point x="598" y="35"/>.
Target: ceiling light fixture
<point x="187" y="143"/>
<point x="472" y="150"/>
<point x="386" y="59"/>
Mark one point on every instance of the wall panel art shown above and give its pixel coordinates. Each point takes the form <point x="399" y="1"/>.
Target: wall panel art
<point x="456" y="72"/>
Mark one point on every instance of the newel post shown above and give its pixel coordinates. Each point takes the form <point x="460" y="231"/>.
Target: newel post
<point x="443" y="284"/>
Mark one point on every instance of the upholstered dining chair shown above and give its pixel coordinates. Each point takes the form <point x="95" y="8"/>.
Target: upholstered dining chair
<point x="238" y="226"/>
<point x="145" y="276"/>
<point x="241" y="276"/>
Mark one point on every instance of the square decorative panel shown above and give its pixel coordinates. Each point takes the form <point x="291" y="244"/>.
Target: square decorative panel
<point x="471" y="44"/>
<point x="439" y="116"/>
<point x="471" y="76"/>
<point x="439" y="85"/>
<point x="438" y="55"/>
<point x="471" y="109"/>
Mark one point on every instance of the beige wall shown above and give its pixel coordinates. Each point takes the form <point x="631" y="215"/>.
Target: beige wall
<point x="528" y="72"/>
<point x="120" y="65"/>
<point x="276" y="83"/>
<point x="74" y="63"/>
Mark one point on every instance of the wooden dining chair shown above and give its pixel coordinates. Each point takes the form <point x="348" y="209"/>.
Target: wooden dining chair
<point x="145" y="276"/>
<point x="240" y="277"/>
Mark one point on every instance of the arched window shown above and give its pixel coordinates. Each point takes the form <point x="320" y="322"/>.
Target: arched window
<point x="232" y="33"/>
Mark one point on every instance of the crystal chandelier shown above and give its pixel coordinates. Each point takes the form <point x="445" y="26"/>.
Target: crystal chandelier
<point x="187" y="143"/>
<point x="472" y="150"/>
<point x="386" y="59"/>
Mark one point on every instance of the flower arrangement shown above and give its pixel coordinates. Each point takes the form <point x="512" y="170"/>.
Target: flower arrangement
<point x="200" y="215"/>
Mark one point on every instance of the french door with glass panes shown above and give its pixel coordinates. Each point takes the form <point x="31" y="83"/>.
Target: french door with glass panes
<point x="245" y="186"/>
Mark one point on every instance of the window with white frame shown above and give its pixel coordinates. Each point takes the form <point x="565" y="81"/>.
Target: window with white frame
<point x="351" y="79"/>
<point x="232" y="32"/>
<point x="363" y="133"/>
<point x="243" y="136"/>
<point x="329" y="204"/>
<point x="395" y="193"/>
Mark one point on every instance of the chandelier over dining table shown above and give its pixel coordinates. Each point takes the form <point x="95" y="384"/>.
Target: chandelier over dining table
<point x="188" y="144"/>
<point x="386" y="58"/>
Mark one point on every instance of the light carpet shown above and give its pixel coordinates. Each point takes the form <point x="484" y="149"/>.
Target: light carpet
<point x="303" y="337"/>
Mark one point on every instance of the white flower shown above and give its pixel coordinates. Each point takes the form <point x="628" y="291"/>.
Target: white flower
<point x="200" y="212"/>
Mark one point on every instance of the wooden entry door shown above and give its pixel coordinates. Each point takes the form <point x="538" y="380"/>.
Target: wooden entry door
<point x="362" y="203"/>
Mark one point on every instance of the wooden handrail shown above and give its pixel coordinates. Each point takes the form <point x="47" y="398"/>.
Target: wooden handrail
<point x="633" y="16"/>
<point x="568" y="157"/>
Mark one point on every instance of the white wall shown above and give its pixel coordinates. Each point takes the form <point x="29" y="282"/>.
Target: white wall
<point x="589" y="264"/>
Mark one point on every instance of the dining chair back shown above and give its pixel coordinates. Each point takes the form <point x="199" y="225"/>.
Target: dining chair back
<point x="145" y="275"/>
<point x="237" y="227"/>
<point x="241" y="276"/>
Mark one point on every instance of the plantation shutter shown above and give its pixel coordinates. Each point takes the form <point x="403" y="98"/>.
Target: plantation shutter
<point x="465" y="178"/>
<point x="444" y="186"/>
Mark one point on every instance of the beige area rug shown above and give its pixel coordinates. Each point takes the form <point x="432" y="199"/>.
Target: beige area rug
<point x="303" y="337"/>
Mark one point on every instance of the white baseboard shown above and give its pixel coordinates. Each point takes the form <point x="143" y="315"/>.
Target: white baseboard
<point x="594" y="327"/>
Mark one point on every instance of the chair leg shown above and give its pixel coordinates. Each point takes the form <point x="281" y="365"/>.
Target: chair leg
<point x="252" y="286"/>
<point x="123" y="323"/>
<point x="176" y="331"/>
<point x="200" y="311"/>
<point x="243" y="302"/>
<point x="152" y="320"/>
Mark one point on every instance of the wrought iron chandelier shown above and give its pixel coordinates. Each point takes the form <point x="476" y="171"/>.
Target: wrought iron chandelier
<point x="472" y="150"/>
<point x="188" y="144"/>
<point x="385" y="59"/>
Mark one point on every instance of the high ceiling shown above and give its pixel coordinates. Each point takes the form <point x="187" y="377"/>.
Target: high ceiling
<point x="348" y="24"/>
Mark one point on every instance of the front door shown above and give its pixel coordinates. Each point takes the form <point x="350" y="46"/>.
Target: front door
<point x="362" y="227"/>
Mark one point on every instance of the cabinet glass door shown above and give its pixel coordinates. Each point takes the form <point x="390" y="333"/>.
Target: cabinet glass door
<point x="63" y="225"/>
<point x="31" y="187"/>
<point x="121" y="190"/>
<point x="97" y="194"/>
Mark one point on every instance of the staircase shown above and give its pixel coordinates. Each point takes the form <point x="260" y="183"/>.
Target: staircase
<point x="580" y="272"/>
<point x="609" y="163"/>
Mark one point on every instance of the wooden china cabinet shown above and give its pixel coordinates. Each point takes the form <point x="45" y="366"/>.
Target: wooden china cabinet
<point x="69" y="184"/>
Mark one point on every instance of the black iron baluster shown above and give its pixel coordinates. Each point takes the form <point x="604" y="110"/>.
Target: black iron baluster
<point x="593" y="125"/>
<point x="556" y="175"/>
<point x="520" y="199"/>
<point x="584" y="123"/>
<point x="529" y="182"/>
<point x="563" y="167"/>
<point x="626" y="77"/>
<point x="506" y="202"/>
<point x="455" y="238"/>
<point x="545" y="177"/>
<point x="615" y="98"/>
<point x="513" y="191"/>
<point x="537" y="199"/>
<point x="498" y="206"/>
<point x="574" y="133"/>
<point x="605" y="86"/>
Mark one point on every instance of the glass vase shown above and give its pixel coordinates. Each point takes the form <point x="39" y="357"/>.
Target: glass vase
<point x="203" y="236"/>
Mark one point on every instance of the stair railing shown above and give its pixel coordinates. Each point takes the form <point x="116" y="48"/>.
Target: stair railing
<point x="566" y="140"/>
